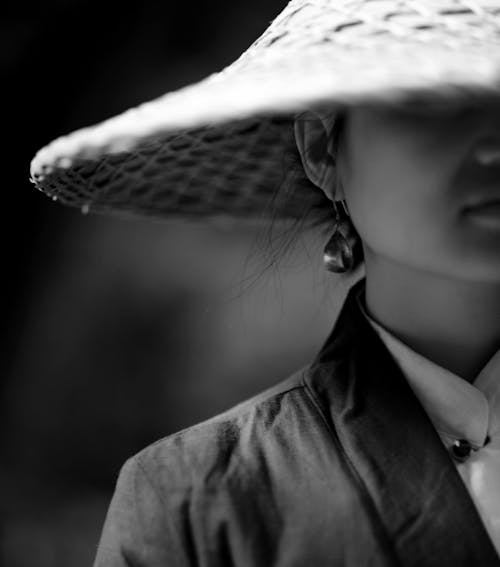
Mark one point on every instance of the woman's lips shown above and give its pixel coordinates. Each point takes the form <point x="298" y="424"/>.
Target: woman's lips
<point x="486" y="214"/>
<point x="487" y="207"/>
<point x="479" y="185"/>
<point x="488" y="156"/>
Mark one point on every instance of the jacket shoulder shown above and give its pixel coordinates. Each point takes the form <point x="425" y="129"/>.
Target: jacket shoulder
<point x="207" y="450"/>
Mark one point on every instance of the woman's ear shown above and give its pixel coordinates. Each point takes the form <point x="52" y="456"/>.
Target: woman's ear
<point x="313" y="135"/>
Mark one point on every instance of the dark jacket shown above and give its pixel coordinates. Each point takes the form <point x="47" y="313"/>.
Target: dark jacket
<point x="337" y="465"/>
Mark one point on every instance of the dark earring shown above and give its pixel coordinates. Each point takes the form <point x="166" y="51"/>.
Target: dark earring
<point x="343" y="251"/>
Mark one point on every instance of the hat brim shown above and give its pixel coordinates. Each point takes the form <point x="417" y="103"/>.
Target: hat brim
<point x="219" y="148"/>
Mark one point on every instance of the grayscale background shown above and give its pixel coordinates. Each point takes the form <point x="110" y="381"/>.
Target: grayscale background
<point x="117" y="332"/>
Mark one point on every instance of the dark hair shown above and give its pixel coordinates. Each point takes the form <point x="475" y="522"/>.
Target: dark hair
<point x="279" y="241"/>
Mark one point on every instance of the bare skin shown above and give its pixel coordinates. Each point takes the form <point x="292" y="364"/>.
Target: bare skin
<point x="432" y="269"/>
<point x="452" y="322"/>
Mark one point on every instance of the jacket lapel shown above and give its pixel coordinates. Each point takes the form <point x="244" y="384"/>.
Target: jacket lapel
<point x="424" y="512"/>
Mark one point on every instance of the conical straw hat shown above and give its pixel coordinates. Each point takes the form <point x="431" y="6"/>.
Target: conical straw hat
<point x="219" y="148"/>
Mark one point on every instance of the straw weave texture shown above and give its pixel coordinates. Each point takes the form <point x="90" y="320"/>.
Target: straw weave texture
<point x="219" y="147"/>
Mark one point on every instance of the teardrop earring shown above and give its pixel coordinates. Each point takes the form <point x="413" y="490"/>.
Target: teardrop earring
<point x="343" y="251"/>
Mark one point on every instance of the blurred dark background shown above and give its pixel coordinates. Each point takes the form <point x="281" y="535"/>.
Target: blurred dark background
<point x="118" y="332"/>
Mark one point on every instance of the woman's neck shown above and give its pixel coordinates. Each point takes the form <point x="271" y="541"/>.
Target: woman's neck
<point x="455" y="323"/>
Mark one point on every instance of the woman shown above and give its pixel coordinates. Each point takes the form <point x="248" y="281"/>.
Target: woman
<point x="385" y="450"/>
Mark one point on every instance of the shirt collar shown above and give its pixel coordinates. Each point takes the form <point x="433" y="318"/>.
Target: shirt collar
<point x="457" y="409"/>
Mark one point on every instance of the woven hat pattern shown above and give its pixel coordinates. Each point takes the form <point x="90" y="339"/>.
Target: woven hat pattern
<point x="220" y="172"/>
<point x="219" y="147"/>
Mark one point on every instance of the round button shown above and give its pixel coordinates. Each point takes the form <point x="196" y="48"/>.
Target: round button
<point x="461" y="450"/>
